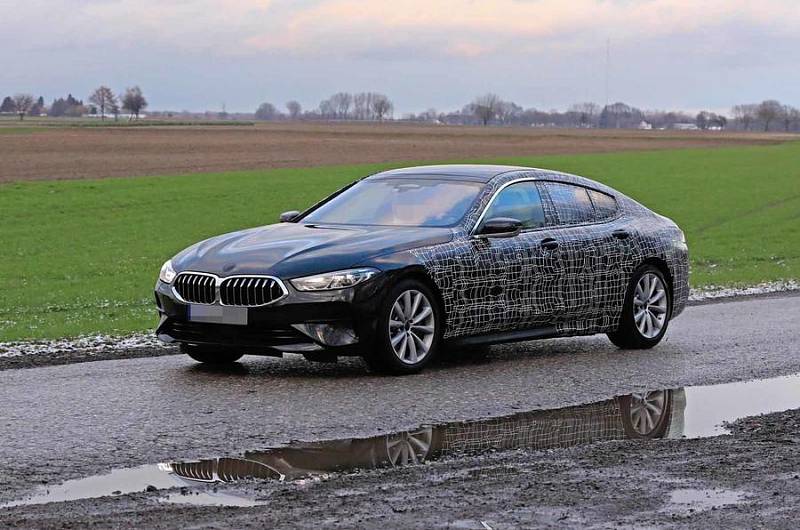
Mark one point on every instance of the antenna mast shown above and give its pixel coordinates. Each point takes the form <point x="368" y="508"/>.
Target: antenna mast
<point x="608" y="65"/>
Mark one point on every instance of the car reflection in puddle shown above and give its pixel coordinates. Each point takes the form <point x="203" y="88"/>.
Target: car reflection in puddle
<point x="655" y="414"/>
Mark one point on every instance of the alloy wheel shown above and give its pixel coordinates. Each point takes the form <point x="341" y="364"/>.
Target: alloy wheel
<point x="647" y="410"/>
<point x="412" y="326"/>
<point x="650" y="305"/>
<point x="409" y="447"/>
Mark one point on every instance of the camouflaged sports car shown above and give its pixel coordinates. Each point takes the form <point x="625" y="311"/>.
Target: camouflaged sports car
<point x="403" y="263"/>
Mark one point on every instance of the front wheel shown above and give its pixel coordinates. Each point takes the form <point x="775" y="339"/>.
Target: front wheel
<point x="209" y="354"/>
<point x="645" y="312"/>
<point x="408" y="330"/>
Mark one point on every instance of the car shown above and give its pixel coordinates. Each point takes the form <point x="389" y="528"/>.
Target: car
<point x="403" y="264"/>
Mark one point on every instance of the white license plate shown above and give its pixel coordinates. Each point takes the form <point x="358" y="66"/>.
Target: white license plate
<point x="218" y="314"/>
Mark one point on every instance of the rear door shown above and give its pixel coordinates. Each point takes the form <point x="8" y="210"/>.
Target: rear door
<point x="590" y="256"/>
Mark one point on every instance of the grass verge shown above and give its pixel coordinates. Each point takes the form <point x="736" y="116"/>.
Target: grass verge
<point x="82" y="256"/>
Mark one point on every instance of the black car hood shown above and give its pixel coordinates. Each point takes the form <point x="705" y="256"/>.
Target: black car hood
<point x="289" y="250"/>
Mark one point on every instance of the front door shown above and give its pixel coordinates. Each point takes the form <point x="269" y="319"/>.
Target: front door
<point x="515" y="289"/>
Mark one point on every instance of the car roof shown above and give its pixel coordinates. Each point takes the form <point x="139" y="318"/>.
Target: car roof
<point x="476" y="172"/>
<point x="484" y="173"/>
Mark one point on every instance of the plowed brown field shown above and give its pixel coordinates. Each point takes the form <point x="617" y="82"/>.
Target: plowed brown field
<point x="74" y="153"/>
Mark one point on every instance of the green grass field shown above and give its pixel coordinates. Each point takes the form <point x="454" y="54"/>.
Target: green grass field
<point x="81" y="257"/>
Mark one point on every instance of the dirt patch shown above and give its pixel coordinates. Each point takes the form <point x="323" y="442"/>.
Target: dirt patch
<point x="75" y="153"/>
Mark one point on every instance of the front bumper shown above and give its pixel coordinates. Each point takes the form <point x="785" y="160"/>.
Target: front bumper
<point x="340" y="321"/>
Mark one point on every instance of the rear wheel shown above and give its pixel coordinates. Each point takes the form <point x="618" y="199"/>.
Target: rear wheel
<point x="210" y="354"/>
<point x="646" y="414"/>
<point x="645" y="312"/>
<point x="408" y="330"/>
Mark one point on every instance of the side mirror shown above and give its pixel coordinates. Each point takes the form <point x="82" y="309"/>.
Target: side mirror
<point x="499" y="227"/>
<point x="288" y="217"/>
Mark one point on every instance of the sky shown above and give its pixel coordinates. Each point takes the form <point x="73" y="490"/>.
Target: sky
<point x="203" y="54"/>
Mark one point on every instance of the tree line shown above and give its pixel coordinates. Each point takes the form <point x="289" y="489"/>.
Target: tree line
<point x="370" y="106"/>
<point x="491" y="109"/>
<point x="102" y="102"/>
<point x="487" y="109"/>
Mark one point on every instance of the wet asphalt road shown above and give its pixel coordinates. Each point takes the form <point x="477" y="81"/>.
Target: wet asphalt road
<point x="75" y="420"/>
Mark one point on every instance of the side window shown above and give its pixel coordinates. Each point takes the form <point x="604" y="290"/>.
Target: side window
<point x="572" y="203"/>
<point x="519" y="201"/>
<point x="605" y="206"/>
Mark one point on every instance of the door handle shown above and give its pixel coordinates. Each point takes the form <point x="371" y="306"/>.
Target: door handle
<point x="549" y="243"/>
<point x="621" y="234"/>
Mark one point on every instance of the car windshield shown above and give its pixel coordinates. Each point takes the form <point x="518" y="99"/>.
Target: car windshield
<point x="399" y="202"/>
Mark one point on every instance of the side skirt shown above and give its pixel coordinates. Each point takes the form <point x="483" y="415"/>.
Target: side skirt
<point x="506" y="336"/>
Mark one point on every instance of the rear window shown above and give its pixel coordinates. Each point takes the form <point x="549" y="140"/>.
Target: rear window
<point x="605" y="205"/>
<point x="572" y="203"/>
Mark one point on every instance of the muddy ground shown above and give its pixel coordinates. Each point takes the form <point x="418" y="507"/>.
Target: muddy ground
<point x="65" y="422"/>
<point x="749" y="479"/>
<point x="73" y="152"/>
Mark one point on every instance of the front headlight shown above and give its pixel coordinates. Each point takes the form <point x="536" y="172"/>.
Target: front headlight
<point x="167" y="273"/>
<point x="334" y="280"/>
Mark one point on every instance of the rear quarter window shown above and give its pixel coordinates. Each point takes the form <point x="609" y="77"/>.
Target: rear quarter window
<point x="572" y="203"/>
<point x="605" y="206"/>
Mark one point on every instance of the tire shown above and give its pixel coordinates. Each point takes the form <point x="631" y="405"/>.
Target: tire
<point x="642" y="332"/>
<point x="406" y="345"/>
<point x="646" y="414"/>
<point x="210" y="354"/>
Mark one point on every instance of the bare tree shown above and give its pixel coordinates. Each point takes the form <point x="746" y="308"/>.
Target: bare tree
<point x="485" y="107"/>
<point x="104" y="98"/>
<point x="768" y="111"/>
<point x="134" y="101"/>
<point x="341" y="102"/>
<point x="382" y="106"/>
<point x="22" y="104"/>
<point x="508" y="111"/>
<point x="362" y="105"/>
<point x="326" y="109"/>
<point x="745" y="114"/>
<point x="789" y="116"/>
<point x="266" y="111"/>
<point x="620" y="115"/>
<point x="428" y="115"/>
<point x="702" y="120"/>
<point x="114" y="108"/>
<point x="794" y="117"/>
<point x="586" y="112"/>
<point x="294" y="109"/>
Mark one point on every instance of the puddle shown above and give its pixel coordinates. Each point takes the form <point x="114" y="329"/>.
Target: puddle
<point x="708" y="407"/>
<point x="689" y="412"/>
<point x="697" y="500"/>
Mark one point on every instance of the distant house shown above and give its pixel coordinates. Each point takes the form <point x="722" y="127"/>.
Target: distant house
<point x="645" y="125"/>
<point x="685" y="126"/>
<point x="111" y="116"/>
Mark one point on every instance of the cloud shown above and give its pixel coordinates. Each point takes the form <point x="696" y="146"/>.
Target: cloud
<point x="467" y="28"/>
<point x="343" y="28"/>
<point x="201" y="52"/>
